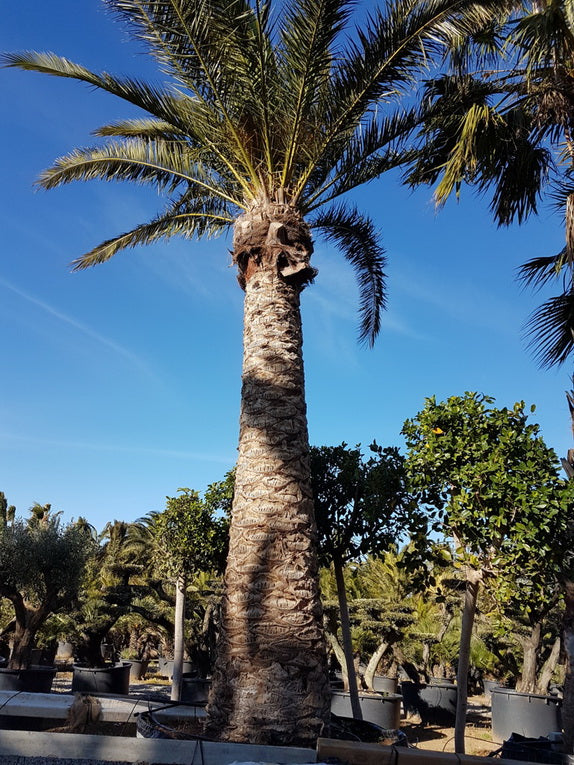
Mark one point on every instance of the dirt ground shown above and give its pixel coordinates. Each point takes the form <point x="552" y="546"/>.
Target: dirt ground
<point x="478" y="738"/>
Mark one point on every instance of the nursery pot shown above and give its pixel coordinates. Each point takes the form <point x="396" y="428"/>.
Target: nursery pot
<point x="114" y="678"/>
<point x="194" y="690"/>
<point x="32" y="680"/>
<point x="529" y="714"/>
<point x="436" y="704"/>
<point x="385" y="684"/>
<point x="165" y="667"/>
<point x="383" y="710"/>
<point x="490" y="685"/>
<point x="138" y="669"/>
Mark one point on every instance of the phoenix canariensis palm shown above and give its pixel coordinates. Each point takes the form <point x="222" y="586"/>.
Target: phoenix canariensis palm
<point x="267" y="119"/>
<point x="507" y="126"/>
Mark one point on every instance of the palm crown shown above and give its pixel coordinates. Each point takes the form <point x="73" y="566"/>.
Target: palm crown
<point x="261" y="108"/>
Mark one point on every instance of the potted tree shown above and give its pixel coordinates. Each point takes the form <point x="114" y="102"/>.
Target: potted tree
<point x="496" y="492"/>
<point x="41" y="563"/>
<point x="362" y="506"/>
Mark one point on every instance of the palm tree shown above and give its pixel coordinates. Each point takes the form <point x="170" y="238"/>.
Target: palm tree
<point x="268" y="118"/>
<point x="507" y="127"/>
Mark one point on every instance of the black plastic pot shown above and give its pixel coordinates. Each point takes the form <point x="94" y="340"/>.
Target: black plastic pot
<point x="385" y="684"/>
<point x="165" y="667"/>
<point x="32" y="680"/>
<point x="194" y="690"/>
<point x="490" y="685"/>
<point x="528" y="714"/>
<point x="380" y="709"/>
<point x="138" y="669"/>
<point x="112" y="679"/>
<point x="436" y="704"/>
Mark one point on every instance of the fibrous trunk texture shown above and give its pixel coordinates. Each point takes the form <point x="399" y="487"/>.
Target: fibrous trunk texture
<point x="270" y="680"/>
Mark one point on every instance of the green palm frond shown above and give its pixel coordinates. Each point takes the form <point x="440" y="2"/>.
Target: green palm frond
<point x="184" y="219"/>
<point x="359" y="242"/>
<point x="140" y="128"/>
<point x="166" y="164"/>
<point x="373" y="150"/>
<point x="308" y="32"/>
<point x="551" y="330"/>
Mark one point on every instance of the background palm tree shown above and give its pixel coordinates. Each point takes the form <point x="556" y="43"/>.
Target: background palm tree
<point x="504" y="121"/>
<point x="267" y="118"/>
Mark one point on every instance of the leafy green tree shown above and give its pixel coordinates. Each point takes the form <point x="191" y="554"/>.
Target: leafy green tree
<point x="497" y="494"/>
<point x="41" y="564"/>
<point x="269" y="116"/>
<point x="186" y="539"/>
<point x="362" y="507"/>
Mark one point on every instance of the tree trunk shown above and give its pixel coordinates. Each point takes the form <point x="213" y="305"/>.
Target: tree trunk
<point x="178" y="638"/>
<point x="568" y="637"/>
<point x="548" y="668"/>
<point x="27" y="623"/>
<point x="270" y="681"/>
<point x="530" y="645"/>
<point x="376" y="657"/>
<point x="347" y="643"/>
<point x="470" y="597"/>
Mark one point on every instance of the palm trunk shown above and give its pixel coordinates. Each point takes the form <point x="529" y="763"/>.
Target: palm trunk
<point x="178" y="638"/>
<point x="530" y="645"/>
<point x="347" y="644"/>
<point x="468" y="614"/>
<point x="270" y="680"/>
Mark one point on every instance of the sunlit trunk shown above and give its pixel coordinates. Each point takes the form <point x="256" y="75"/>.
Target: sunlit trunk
<point x="469" y="611"/>
<point x="568" y="700"/>
<point x="270" y="681"/>
<point x="178" y="641"/>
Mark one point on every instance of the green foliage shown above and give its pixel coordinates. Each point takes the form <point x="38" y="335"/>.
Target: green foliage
<point x="495" y="488"/>
<point x="42" y="561"/>
<point x="362" y="505"/>
<point x="260" y="103"/>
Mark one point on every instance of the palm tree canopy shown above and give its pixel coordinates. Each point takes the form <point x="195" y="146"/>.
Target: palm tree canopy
<point x="506" y="127"/>
<point x="262" y="106"/>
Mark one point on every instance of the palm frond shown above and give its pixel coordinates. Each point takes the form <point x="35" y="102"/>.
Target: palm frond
<point x="140" y="128"/>
<point x="375" y="148"/>
<point x="359" y="242"/>
<point x="308" y="32"/>
<point x="183" y="219"/>
<point x="165" y="164"/>
<point x="539" y="272"/>
<point x="550" y="330"/>
<point x="211" y="47"/>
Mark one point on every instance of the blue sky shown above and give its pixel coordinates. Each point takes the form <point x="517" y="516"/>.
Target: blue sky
<point x="121" y="384"/>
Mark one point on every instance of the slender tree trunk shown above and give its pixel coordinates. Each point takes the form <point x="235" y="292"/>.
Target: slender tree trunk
<point x="568" y="637"/>
<point x="470" y="597"/>
<point x="548" y="668"/>
<point x="270" y="681"/>
<point x="337" y="649"/>
<point x="178" y="638"/>
<point x="347" y="643"/>
<point x="376" y="657"/>
<point x="530" y="645"/>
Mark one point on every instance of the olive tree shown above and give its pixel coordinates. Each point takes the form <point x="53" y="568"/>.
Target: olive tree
<point x="41" y="565"/>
